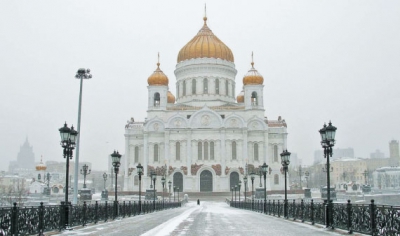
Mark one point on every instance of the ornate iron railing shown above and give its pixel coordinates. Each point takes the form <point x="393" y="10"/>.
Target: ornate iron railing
<point x="37" y="220"/>
<point x="369" y="219"/>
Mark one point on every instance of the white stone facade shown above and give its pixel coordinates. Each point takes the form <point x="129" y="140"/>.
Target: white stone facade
<point x="205" y="140"/>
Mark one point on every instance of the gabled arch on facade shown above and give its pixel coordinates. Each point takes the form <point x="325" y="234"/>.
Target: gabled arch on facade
<point x="261" y="125"/>
<point x="205" y="111"/>
<point x="254" y="98"/>
<point x="150" y="126"/>
<point x="157" y="99"/>
<point x="204" y="167"/>
<point x="229" y="121"/>
<point x="183" y="122"/>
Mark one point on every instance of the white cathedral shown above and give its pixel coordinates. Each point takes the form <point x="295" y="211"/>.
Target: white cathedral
<point x="205" y="139"/>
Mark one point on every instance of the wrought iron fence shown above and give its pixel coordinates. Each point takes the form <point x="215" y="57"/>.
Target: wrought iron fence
<point x="37" y="220"/>
<point x="369" y="219"/>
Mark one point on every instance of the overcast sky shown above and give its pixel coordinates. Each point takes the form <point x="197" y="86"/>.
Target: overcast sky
<point x="321" y="60"/>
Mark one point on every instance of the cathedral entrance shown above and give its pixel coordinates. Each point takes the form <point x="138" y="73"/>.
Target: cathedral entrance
<point x="234" y="179"/>
<point x="206" y="181"/>
<point x="178" y="181"/>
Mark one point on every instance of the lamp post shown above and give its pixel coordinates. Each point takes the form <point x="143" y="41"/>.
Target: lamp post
<point x="169" y="187"/>
<point x="235" y="193"/>
<point x="260" y="173"/>
<point x="177" y="189"/>
<point x="104" y="193"/>
<point x="264" y="168"/>
<point x="174" y="192"/>
<point x="307" y="174"/>
<point x="116" y="162"/>
<point x="252" y="177"/>
<point x="232" y="193"/>
<point x="68" y="139"/>
<point x="285" y="160"/>
<point x="85" y="171"/>
<point x="105" y="179"/>
<point x="80" y="74"/>
<point x="328" y="141"/>
<point x="48" y="183"/>
<point x="239" y="185"/>
<point x="245" y="188"/>
<point x="140" y="173"/>
<point x="163" y="184"/>
<point x="154" y="177"/>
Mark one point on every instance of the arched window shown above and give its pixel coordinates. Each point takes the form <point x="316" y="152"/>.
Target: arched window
<point x="226" y="88"/>
<point x="254" y="98"/>
<point x="256" y="151"/>
<point x="205" y="151"/>
<point x="136" y="154"/>
<point x="194" y="86"/>
<point x="276" y="153"/>
<point x="155" y="152"/>
<point x="199" y="151"/>
<point x="217" y="86"/>
<point x="156" y="99"/>
<point x="205" y="86"/>
<point x="136" y="180"/>
<point x="178" y="151"/>
<point x="233" y="150"/>
<point x="211" y="150"/>
<point x="184" y="88"/>
<point x="276" y="179"/>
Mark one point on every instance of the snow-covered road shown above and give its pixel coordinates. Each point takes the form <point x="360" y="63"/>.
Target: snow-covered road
<point x="210" y="218"/>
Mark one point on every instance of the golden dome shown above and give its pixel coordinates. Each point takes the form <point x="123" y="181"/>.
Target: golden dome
<point x="158" y="77"/>
<point x="240" y="97"/>
<point x="170" y="97"/>
<point x="41" y="166"/>
<point x="205" y="44"/>
<point x="253" y="77"/>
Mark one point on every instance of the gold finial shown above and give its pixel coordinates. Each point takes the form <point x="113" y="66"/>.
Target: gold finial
<point x="205" y="13"/>
<point x="252" y="60"/>
<point x="158" y="60"/>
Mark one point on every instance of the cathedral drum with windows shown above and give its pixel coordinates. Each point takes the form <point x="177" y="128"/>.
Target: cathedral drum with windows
<point x="205" y="139"/>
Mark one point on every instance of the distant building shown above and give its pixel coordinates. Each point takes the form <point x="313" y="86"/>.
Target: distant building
<point x="348" y="170"/>
<point x="375" y="163"/>
<point x="25" y="159"/>
<point x="387" y="178"/>
<point x="337" y="153"/>
<point x="377" y="154"/>
<point x="394" y="153"/>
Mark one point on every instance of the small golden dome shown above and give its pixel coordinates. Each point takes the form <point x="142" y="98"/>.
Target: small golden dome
<point x="205" y="44"/>
<point x="170" y="97"/>
<point x="253" y="77"/>
<point x="41" y="166"/>
<point x="240" y="97"/>
<point x="158" y="77"/>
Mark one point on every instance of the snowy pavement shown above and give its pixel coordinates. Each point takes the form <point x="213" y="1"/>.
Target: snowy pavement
<point x="210" y="218"/>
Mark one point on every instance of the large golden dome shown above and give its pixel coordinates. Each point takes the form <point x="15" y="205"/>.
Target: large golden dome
<point x="205" y="44"/>
<point x="41" y="166"/>
<point x="240" y="97"/>
<point x="253" y="77"/>
<point x="158" y="77"/>
<point x="170" y="97"/>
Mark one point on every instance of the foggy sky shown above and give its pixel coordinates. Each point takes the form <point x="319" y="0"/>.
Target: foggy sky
<point x="321" y="60"/>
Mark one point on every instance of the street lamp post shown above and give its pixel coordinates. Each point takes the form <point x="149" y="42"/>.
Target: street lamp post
<point x="328" y="141"/>
<point x="232" y="193"/>
<point x="154" y="177"/>
<point x="116" y="162"/>
<point x="235" y="194"/>
<point x="85" y="171"/>
<point x="68" y="139"/>
<point x="104" y="193"/>
<point x="252" y="177"/>
<point x="307" y="174"/>
<point x="239" y="185"/>
<point x="169" y="187"/>
<point x="264" y="168"/>
<point x="163" y="184"/>
<point x="177" y="189"/>
<point x="105" y="179"/>
<point x="245" y="188"/>
<point x="80" y="74"/>
<point x="174" y="192"/>
<point x="140" y="173"/>
<point x="285" y="160"/>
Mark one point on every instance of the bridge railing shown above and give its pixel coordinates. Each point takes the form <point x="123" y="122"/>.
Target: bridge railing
<point x="37" y="220"/>
<point x="369" y="219"/>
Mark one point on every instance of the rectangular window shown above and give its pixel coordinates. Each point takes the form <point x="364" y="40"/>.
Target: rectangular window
<point x="211" y="150"/>
<point x="205" y="151"/>
<point x="199" y="151"/>
<point x="178" y="151"/>
<point x="256" y="152"/>
<point x="156" y="152"/>
<point x="136" y="154"/>
<point x="233" y="150"/>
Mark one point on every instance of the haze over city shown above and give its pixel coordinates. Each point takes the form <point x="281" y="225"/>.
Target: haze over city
<point x="321" y="61"/>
